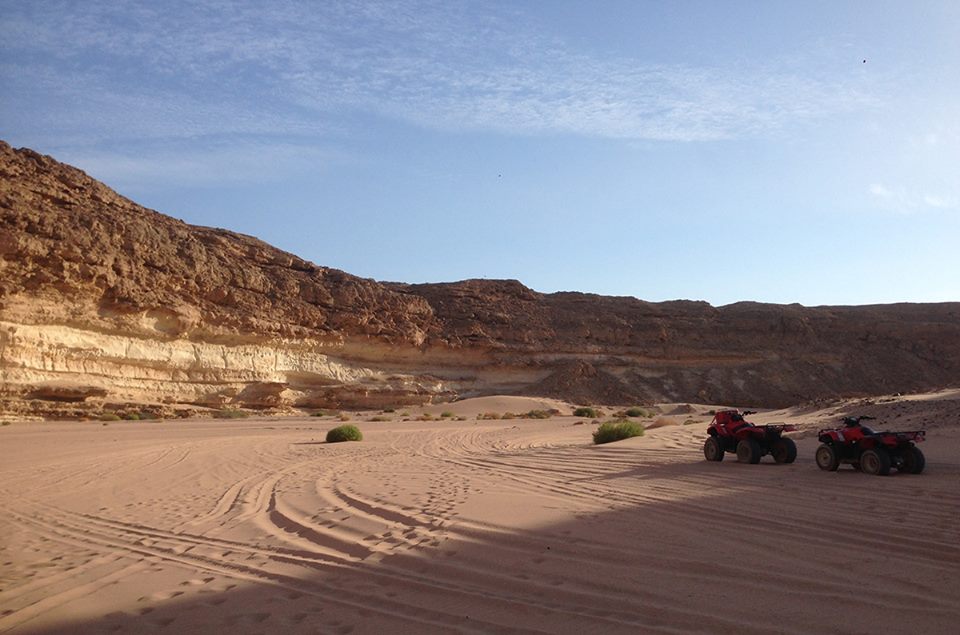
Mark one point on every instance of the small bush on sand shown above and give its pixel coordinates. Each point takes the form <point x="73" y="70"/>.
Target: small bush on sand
<point x="508" y="415"/>
<point x="446" y="414"/>
<point x="4" y="423"/>
<point x="343" y="416"/>
<point x="231" y="413"/>
<point x="344" y="433"/>
<point x="389" y="410"/>
<point x="590" y="413"/>
<point x="537" y="414"/>
<point x="638" y="412"/>
<point x="488" y="415"/>
<point x="425" y="417"/>
<point x="109" y="416"/>
<point x="132" y="416"/>
<point x="616" y="431"/>
<point x="379" y="418"/>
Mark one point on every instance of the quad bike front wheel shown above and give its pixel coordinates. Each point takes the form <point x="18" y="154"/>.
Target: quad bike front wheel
<point x="875" y="462"/>
<point x="828" y="457"/>
<point x="784" y="450"/>
<point x="913" y="461"/>
<point x="712" y="449"/>
<point x="748" y="451"/>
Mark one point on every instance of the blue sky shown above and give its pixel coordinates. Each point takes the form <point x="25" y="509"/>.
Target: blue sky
<point x="717" y="151"/>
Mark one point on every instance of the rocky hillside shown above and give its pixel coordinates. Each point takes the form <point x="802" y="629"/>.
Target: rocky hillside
<point x="105" y="304"/>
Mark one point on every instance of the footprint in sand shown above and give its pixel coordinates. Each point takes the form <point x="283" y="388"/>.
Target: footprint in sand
<point x="247" y="618"/>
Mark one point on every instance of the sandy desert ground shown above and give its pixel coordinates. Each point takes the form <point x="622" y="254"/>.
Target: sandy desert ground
<point x="258" y="526"/>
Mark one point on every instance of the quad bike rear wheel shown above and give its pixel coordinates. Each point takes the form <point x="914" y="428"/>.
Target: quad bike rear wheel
<point x="712" y="449"/>
<point x="913" y="461"/>
<point x="828" y="457"/>
<point x="748" y="451"/>
<point x="784" y="451"/>
<point x="875" y="462"/>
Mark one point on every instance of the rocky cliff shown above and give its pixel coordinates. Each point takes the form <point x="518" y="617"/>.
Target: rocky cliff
<point x="104" y="303"/>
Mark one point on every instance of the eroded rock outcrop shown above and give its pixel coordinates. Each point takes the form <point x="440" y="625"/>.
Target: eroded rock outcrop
<point x="103" y="302"/>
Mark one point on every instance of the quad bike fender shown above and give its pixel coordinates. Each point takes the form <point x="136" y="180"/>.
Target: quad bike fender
<point x="831" y="436"/>
<point x="748" y="431"/>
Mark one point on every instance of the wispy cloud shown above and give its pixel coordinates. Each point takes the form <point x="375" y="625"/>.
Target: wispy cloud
<point x="907" y="201"/>
<point x="183" y="69"/>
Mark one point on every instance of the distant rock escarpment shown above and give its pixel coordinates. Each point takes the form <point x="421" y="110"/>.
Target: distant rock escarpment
<point x="107" y="305"/>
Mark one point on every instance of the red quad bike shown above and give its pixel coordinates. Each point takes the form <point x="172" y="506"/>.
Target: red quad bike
<point x="869" y="451"/>
<point x="730" y="432"/>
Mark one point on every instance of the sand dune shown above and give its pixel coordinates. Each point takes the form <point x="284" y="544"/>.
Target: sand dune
<point x="469" y="526"/>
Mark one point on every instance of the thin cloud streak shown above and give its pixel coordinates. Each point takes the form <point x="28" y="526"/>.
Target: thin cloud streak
<point x="905" y="201"/>
<point x="436" y="65"/>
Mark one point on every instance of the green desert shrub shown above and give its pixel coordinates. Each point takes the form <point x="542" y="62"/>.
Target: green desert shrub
<point x="132" y="416"/>
<point x="446" y="414"/>
<point x="344" y="433"/>
<point x="379" y="418"/>
<point x="584" y="411"/>
<point x="4" y="423"/>
<point x="109" y="416"/>
<point x="537" y="414"/>
<point x="638" y="412"/>
<point x="616" y="431"/>
<point x="488" y="415"/>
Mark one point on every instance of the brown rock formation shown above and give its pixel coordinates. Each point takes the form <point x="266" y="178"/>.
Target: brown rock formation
<point x="104" y="301"/>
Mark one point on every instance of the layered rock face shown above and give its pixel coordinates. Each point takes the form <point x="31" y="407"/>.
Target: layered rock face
<point x="104" y="303"/>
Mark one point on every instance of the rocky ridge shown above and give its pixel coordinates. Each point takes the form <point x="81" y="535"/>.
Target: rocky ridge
<point x="106" y="304"/>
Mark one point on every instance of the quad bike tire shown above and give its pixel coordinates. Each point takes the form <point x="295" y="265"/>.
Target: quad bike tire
<point x="784" y="451"/>
<point x="828" y="457"/>
<point x="748" y="451"/>
<point x="913" y="461"/>
<point x="712" y="449"/>
<point x="875" y="462"/>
